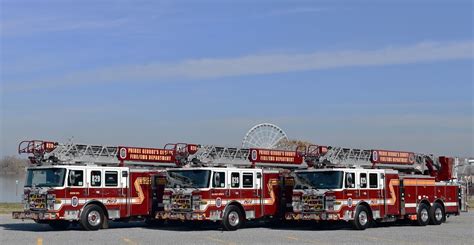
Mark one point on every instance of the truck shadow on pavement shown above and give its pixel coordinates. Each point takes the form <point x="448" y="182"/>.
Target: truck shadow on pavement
<point x="204" y="226"/>
<point x="34" y="227"/>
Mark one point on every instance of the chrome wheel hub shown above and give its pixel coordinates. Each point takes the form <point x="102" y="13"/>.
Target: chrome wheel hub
<point x="234" y="218"/>
<point x="424" y="215"/>
<point x="93" y="218"/>
<point x="363" y="218"/>
<point x="439" y="214"/>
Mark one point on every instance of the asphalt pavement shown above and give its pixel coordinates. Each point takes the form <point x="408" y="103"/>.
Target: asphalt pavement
<point x="457" y="230"/>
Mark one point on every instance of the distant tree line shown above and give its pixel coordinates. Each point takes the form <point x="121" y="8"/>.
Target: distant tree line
<point x="13" y="166"/>
<point x="292" y="144"/>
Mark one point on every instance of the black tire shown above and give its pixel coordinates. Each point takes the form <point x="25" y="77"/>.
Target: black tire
<point x="362" y="218"/>
<point x="423" y="215"/>
<point x="233" y="218"/>
<point x="59" y="224"/>
<point x="92" y="217"/>
<point x="437" y="214"/>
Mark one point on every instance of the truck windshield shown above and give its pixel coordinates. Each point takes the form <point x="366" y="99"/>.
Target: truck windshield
<point x="45" y="177"/>
<point x="319" y="180"/>
<point x="188" y="178"/>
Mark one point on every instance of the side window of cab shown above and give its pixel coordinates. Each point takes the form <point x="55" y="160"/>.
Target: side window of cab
<point x="96" y="178"/>
<point x="75" y="178"/>
<point x="218" y="180"/>
<point x="350" y="180"/>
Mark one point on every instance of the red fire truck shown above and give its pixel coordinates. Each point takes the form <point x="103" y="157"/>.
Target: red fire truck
<point x="235" y="185"/>
<point x="361" y="186"/>
<point x="91" y="184"/>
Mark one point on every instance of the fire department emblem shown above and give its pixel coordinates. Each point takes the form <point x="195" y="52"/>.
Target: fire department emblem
<point x="375" y="156"/>
<point x="218" y="202"/>
<point x="254" y="155"/>
<point x="74" y="201"/>
<point x="123" y="153"/>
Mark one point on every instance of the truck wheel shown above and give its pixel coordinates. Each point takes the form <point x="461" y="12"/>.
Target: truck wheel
<point x="437" y="215"/>
<point x="59" y="224"/>
<point x="423" y="215"/>
<point x="362" y="218"/>
<point x="232" y="219"/>
<point x="92" y="217"/>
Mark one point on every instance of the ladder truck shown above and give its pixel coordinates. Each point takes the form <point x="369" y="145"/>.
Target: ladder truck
<point x="361" y="186"/>
<point x="230" y="186"/>
<point x="92" y="184"/>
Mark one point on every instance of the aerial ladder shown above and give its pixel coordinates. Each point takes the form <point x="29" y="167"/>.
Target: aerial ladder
<point x="48" y="152"/>
<point x="406" y="162"/>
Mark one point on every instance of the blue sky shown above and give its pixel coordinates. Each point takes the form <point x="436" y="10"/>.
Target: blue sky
<point x="375" y="74"/>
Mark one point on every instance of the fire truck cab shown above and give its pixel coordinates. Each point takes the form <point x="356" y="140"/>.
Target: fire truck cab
<point x="227" y="194"/>
<point x="90" y="195"/>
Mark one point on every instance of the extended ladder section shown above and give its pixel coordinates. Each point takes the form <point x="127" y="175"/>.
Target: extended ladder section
<point x="48" y="152"/>
<point x="335" y="156"/>
<point x="211" y="155"/>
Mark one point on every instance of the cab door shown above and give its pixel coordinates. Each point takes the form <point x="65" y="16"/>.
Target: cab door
<point x="220" y="191"/>
<point x="76" y="190"/>
<point x="94" y="184"/>
<point x="111" y="193"/>
<point x="363" y="190"/>
<point x="235" y="185"/>
<point x="375" y="185"/>
<point x="350" y="193"/>
<point x="251" y="194"/>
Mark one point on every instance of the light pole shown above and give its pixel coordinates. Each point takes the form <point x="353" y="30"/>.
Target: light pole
<point x="16" y="188"/>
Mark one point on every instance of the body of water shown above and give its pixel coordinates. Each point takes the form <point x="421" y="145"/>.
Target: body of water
<point x="11" y="188"/>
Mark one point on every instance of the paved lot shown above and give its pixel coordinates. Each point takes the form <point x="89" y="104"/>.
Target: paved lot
<point x="457" y="230"/>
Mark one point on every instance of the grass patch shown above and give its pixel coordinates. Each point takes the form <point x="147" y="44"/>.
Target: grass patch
<point x="6" y="208"/>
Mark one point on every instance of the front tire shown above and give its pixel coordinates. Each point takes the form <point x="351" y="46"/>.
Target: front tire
<point x="422" y="216"/>
<point x="92" y="217"/>
<point x="232" y="219"/>
<point x="437" y="214"/>
<point x="362" y="218"/>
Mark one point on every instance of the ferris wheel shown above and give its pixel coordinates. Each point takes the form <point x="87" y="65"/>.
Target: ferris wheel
<point x="264" y="135"/>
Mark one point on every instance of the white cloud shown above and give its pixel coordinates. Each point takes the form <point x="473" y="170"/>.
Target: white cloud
<point x="207" y="68"/>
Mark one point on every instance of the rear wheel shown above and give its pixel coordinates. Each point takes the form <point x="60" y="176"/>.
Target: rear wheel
<point x="232" y="219"/>
<point x="422" y="216"/>
<point x="362" y="218"/>
<point x="92" y="217"/>
<point x="59" y="224"/>
<point x="437" y="215"/>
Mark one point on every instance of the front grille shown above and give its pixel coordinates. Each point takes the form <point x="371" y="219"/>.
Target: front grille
<point x="181" y="202"/>
<point x="37" y="201"/>
<point x="312" y="203"/>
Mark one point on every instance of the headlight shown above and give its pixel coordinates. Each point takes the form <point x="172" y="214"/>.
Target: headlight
<point x="296" y="198"/>
<point x="330" y="202"/>
<point x="196" y="202"/>
<point x="51" y="196"/>
<point x="297" y="206"/>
